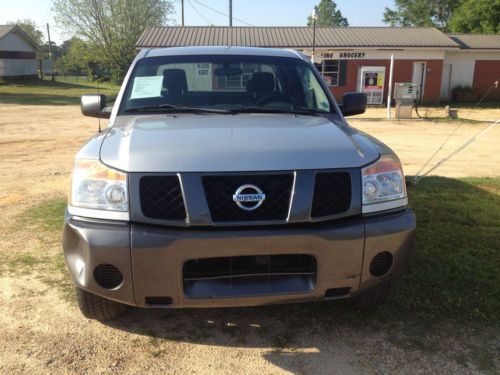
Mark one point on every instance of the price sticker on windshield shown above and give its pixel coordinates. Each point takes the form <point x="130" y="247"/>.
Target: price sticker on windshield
<point x="146" y="87"/>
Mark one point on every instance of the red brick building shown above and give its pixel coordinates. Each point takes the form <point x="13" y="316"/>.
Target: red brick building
<point x="358" y="58"/>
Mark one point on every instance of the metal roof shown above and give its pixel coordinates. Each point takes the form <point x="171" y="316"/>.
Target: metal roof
<point x="476" y="41"/>
<point x="7" y="29"/>
<point x="294" y="37"/>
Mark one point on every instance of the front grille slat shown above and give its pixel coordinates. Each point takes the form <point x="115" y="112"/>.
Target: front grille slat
<point x="332" y="194"/>
<point x="243" y="275"/>
<point x="219" y="191"/>
<point x="161" y="198"/>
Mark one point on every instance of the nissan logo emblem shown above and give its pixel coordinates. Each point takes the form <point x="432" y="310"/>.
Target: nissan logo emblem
<point x="249" y="197"/>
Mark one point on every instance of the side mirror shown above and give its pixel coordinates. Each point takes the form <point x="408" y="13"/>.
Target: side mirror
<point x="353" y="103"/>
<point x="92" y="105"/>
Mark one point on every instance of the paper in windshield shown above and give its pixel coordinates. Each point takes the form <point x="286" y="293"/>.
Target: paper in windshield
<point x="146" y="87"/>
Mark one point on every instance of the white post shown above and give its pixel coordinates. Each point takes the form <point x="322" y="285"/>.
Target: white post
<point x="389" y="91"/>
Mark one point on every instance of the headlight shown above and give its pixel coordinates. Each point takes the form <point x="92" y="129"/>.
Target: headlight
<point x="97" y="186"/>
<point x="384" y="185"/>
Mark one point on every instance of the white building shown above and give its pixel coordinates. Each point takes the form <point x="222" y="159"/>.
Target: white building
<point x="475" y="65"/>
<point x="17" y="53"/>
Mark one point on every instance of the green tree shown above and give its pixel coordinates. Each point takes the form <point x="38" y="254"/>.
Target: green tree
<point x="477" y="16"/>
<point x="328" y="15"/>
<point x="421" y="13"/>
<point x="29" y="27"/>
<point x="79" y="57"/>
<point x="54" y="48"/>
<point x="112" y="27"/>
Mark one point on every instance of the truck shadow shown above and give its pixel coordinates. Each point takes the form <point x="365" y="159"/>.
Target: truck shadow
<point x="456" y="255"/>
<point x="300" y="338"/>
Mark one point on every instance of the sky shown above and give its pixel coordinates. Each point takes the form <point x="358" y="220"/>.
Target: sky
<point x="252" y="12"/>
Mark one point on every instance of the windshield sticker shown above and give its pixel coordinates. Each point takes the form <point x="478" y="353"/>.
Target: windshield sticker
<point x="146" y="87"/>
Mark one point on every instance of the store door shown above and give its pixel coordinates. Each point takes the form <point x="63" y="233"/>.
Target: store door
<point x="419" y="79"/>
<point x="445" y="83"/>
<point x="371" y="80"/>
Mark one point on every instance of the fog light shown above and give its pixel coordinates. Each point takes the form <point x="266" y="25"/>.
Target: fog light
<point x="108" y="276"/>
<point x="381" y="264"/>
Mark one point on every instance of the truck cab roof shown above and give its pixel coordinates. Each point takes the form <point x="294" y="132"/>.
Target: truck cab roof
<point x="220" y="50"/>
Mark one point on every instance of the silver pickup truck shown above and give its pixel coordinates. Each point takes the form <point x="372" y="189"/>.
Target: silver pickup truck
<point x="229" y="177"/>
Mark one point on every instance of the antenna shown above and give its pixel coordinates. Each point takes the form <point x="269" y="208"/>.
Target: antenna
<point x="98" y="93"/>
<point x="50" y="54"/>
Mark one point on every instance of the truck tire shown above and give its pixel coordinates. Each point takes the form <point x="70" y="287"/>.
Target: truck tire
<point x="95" y="307"/>
<point x="374" y="298"/>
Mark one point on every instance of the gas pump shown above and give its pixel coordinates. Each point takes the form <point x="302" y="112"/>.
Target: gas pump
<point x="405" y="95"/>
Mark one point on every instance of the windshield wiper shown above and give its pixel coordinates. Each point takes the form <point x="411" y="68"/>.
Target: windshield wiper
<point x="293" y="111"/>
<point x="174" y="108"/>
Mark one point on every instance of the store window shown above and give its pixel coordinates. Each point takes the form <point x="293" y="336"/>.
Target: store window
<point x="333" y="72"/>
<point x="330" y="72"/>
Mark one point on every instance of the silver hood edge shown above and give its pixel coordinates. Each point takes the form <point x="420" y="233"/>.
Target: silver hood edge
<point x="233" y="143"/>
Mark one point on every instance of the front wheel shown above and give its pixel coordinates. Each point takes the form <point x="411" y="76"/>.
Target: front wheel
<point x="374" y="298"/>
<point x="95" y="307"/>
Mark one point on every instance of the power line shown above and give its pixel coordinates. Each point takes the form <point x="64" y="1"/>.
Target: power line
<point x="464" y="145"/>
<point x="222" y="13"/>
<point x="201" y="15"/>
<point x="47" y="14"/>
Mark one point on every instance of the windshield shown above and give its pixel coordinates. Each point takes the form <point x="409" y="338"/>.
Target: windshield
<point x="224" y="84"/>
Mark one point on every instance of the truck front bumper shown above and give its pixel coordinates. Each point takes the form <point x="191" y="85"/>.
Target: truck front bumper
<point x="151" y="258"/>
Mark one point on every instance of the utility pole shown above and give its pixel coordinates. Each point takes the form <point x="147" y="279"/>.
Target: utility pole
<point x="182" y="13"/>
<point x="50" y="54"/>
<point x="230" y="13"/>
<point x="389" y="89"/>
<point x="314" y="17"/>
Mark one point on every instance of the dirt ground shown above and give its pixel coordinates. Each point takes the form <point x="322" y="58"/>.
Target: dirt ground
<point x="41" y="330"/>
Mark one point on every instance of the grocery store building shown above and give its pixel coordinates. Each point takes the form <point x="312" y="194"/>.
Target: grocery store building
<point x="358" y="58"/>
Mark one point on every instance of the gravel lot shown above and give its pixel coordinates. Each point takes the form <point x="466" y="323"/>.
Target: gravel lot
<point x="42" y="331"/>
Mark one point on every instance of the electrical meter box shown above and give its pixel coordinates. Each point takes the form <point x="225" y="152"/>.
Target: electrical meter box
<point x="406" y="96"/>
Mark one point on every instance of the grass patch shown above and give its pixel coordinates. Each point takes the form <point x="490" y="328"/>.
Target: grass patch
<point x="49" y="217"/>
<point x="484" y="105"/>
<point x="48" y="214"/>
<point x="453" y="272"/>
<point x="23" y="263"/>
<point x="63" y="91"/>
<point x="44" y="224"/>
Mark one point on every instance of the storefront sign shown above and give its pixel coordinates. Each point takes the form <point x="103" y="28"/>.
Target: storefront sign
<point x="351" y="55"/>
<point x="343" y="55"/>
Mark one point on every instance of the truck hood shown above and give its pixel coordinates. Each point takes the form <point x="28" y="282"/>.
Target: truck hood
<point x="230" y="143"/>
